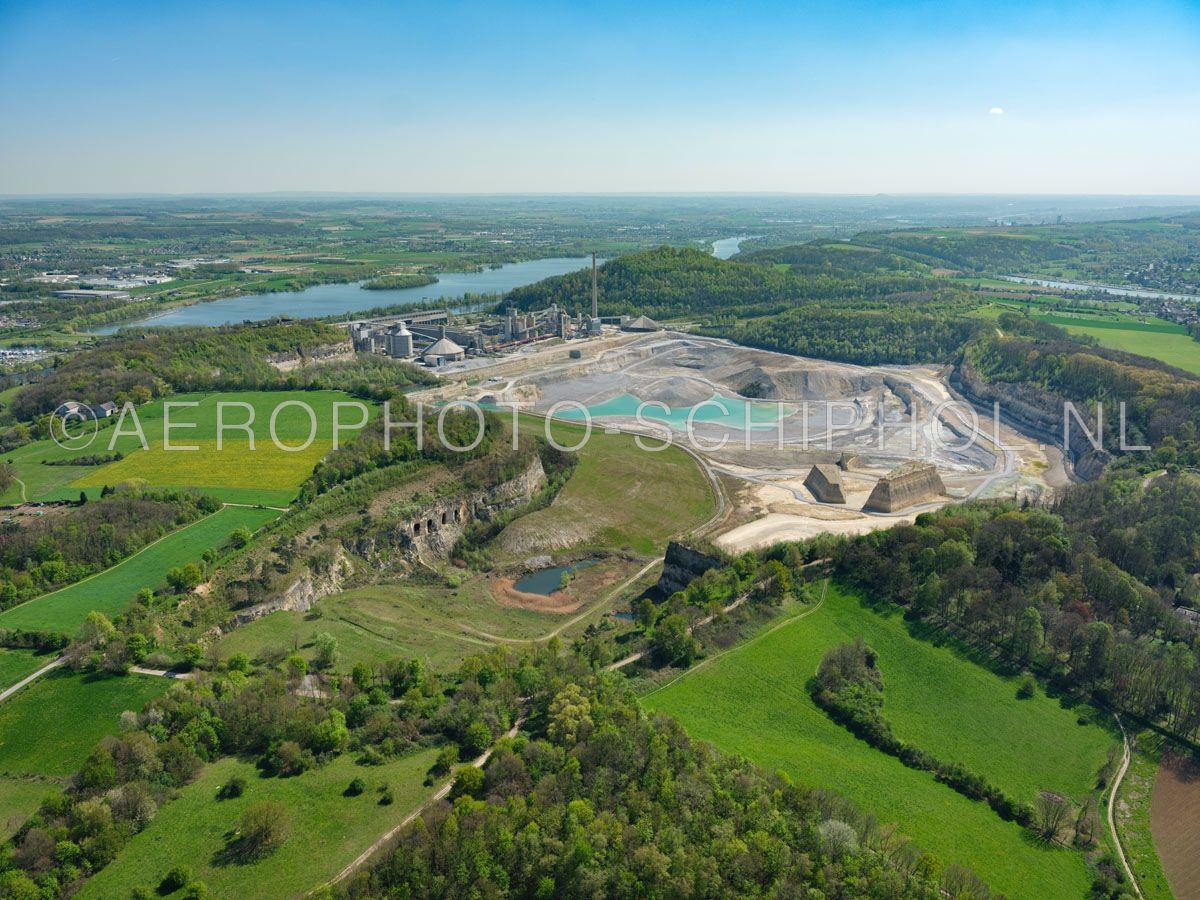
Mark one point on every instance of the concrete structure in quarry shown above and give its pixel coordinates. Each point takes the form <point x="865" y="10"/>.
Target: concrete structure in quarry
<point x="907" y="485"/>
<point x="825" y="483"/>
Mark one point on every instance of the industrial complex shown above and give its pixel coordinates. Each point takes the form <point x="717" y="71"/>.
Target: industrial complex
<point x="435" y="338"/>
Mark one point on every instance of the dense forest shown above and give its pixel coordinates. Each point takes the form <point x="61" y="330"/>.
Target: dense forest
<point x="669" y="283"/>
<point x="910" y="331"/>
<point x="835" y="258"/>
<point x="602" y="801"/>
<point x="971" y="251"/>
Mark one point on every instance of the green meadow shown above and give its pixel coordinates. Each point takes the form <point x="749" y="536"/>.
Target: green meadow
<point x="326" y="829"/>
<point x="618" y="496"/>
<point x="20" y="797"/>
<point x="50" y="727"/>
<point x="241" y="471"/>
<point x="1157" y="339"/>
<point x="113" y="589"/>
<point x="16" y="664"/>
<point x="754" y="700"/>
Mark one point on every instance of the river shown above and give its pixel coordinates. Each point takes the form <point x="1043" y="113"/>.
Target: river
<point x="337" y="299"/>
<point x="1138" y="293"/>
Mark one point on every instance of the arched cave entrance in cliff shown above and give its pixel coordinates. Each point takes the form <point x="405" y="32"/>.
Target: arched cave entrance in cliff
<point x="416" y="528"/>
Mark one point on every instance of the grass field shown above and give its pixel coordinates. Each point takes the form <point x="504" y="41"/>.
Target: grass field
<point x="618" y="496"/>
<point x="432" y="622"/>
<point x="49" y="727"/>
<point x="267" y="474"/>
<point x="1157" y="340"/>
<point x="326" y="829"/>
<point x="114" y="589"/>
<point x="754" y="701"/>
<point x="19" y="799"/>
<point x="16" y="664"/>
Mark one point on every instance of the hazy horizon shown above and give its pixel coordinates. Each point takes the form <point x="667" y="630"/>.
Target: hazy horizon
<point x="1065" y="99"/>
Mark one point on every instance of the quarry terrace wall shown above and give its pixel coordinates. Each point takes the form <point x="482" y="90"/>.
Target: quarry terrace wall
<point x="1034" y="411"/>
<point x="433" y="531"/>
<point x="908" y="485"/>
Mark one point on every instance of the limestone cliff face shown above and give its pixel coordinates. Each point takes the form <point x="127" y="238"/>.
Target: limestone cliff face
<point x="291" y="360"/>
<point x="432" y="532"/>
<point x="1034" y="411"/>
<point x="683" y="565"/>
<point x="302" y="593"/>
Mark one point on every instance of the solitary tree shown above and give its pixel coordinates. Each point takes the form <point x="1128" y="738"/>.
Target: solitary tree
<point x="263" y="827"/>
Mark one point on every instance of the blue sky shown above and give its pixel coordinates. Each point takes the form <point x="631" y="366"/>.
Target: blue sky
<point x="840" y="97"/>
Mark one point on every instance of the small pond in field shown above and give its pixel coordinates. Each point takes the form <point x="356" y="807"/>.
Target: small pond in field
<point x="547" y="581"/>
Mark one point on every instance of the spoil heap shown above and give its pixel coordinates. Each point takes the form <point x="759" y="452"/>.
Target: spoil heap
<point x="905" y="486"/>
<point x="825" y="482"/>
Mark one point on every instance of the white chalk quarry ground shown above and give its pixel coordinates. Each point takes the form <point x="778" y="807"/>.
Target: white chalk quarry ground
<point x="872" y="410"/>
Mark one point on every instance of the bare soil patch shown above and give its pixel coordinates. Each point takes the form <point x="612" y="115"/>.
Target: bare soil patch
<point x="506" y="594"/>
<point x="1175" y="823"/>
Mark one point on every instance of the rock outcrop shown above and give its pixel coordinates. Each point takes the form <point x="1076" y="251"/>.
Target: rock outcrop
<point x="433" y="531"/>
<point x="302" y="593"/>
<point x="291" y="360"/>
<point x="906" y="485"/>
<point x="683" y="565"/>
<point x="825" y="482"/>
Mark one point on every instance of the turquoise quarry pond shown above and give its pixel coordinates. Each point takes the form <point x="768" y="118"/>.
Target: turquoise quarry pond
<point x="717" y="410"/>
<point x="547" y="581"/>
<point x="339" y="299"/>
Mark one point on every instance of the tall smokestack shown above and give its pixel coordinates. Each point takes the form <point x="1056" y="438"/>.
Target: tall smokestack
<point x="595" y="290"/>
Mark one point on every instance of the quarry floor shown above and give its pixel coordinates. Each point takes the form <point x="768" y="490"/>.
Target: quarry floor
<point x="803" y="411"/>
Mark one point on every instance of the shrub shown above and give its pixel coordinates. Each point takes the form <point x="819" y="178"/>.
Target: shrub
<point x="234" y="787"/>
<point x="1027" y="689"/>
<point x="262" y="828"/>
<point x="175" y="879"/>
<point x="355" y="787"/>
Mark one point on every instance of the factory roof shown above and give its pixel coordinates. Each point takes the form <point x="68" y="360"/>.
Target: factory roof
<point x="642" y="323"/>
<point x="442" y="347"/>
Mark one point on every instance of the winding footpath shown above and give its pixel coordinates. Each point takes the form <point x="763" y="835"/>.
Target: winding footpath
<point x="440" y="793"/>
<point x="1112" y="805"/>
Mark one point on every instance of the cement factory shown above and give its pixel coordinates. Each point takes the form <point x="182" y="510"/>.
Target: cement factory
<point x="433" y="339"/>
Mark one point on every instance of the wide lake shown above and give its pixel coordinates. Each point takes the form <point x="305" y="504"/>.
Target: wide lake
<point x="727" y="247"/>
<point x="339" y="299"/>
